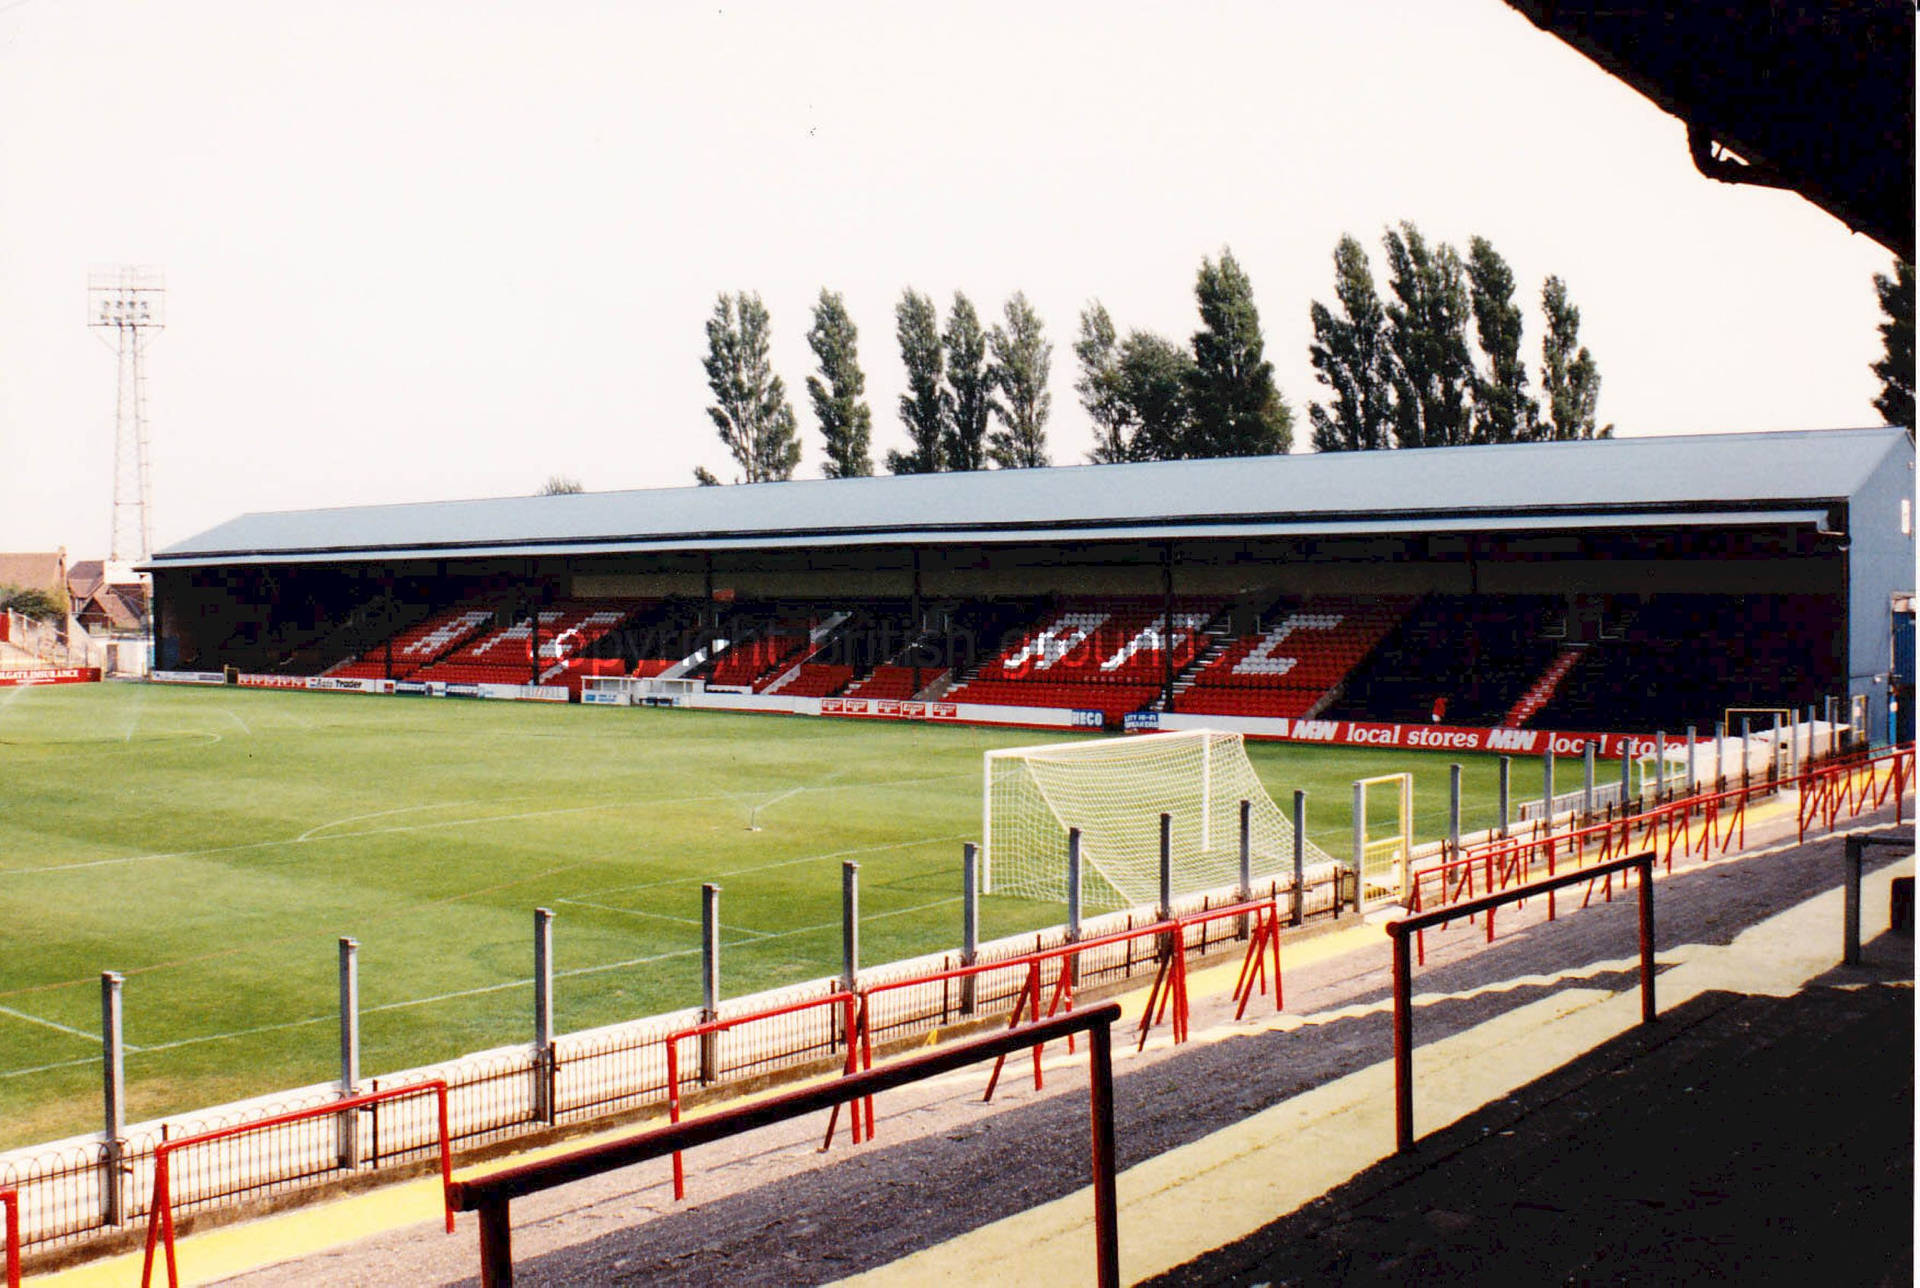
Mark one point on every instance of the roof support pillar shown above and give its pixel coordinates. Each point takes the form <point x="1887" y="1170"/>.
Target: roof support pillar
<point x="1166" y="630"/>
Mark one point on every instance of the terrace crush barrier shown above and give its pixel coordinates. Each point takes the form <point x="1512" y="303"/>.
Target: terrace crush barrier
<point x="1405" y="928"/>
<point x="160" y="1210"/>
<point x="518" y="1091"/>
<point x="1710" y="821"/>
<point x="492" y="1194"/>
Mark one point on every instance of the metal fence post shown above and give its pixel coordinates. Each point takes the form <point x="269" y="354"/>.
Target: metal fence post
<point x="1746" y="743"/>
<point x="1402" y="1042"/>
<point x="1693" y="773"/>
<point x="1359" y="848"/>
<point x="1300" y="858"/>
<point x="543" y="1063"/>
<point x="849" y="925"/>
<point x="1073" y="884"/>
<point x="1626" y="773"/>
<point x="1073" y="900"/>
<point x="1546" y="789"/>
<point x="1453" y="809"/>
<point x="969" y="919"/>
<point x="1850" y="907"/>
<point x="1246" y="850"/>
<point x="709" y="979"/>
<point x="1586" y="798"/>
<point x="349" y="1048"/>
<point x="1166" y="866"/>
<point x="1506" y="795"/>
<point x="1659" y="764"/>
<point x="113" y="1190"/>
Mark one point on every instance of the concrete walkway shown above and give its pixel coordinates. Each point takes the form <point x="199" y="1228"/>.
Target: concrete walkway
<point x="1232" y="1183"/>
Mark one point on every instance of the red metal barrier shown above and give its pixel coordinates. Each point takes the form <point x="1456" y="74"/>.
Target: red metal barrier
<point x="840" y="998"/>
<point x="491" y="1195"/>
<point x="10" y="1200"/>
<point x="160" y="1211"/>
<point x="1168" y="992"/>
<point x="1827" y="793"/>
<point x="1854" y="786"/>
<point x="1403" y="929"/>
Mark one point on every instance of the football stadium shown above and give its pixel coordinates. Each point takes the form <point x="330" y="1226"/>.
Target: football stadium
<point x="756" y="788"/>
<point x="1488" y="860"/>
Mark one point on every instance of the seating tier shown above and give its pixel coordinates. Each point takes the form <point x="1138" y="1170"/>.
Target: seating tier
<point x="417" y="646"/>
<point x="816" y="680"/>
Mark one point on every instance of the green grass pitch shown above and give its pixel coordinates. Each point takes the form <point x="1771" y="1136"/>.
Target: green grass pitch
<point x="212" y="844"/>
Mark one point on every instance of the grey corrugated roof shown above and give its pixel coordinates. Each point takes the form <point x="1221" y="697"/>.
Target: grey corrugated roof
<point x="1464" y="487"/>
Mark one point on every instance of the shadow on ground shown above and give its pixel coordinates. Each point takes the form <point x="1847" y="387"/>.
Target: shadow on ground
<point x="1741" y="1138"/>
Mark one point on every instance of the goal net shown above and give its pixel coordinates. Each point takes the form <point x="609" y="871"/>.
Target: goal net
<point x="1114" y="792"/>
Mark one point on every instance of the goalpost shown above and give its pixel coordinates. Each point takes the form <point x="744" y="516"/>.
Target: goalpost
<point x="1114" y="792"/>
<point x="1383" y="857"/>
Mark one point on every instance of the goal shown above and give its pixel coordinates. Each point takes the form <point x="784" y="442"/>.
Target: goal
<point x="1383" y="848"/>
<point x="1114" y="792"/>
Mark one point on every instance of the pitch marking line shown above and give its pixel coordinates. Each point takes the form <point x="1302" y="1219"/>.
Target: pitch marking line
<point x="53" y="1024"/>
<point x="602" y="968"/>
<point x="655" y="916"/>
<point x="312" y="832"/>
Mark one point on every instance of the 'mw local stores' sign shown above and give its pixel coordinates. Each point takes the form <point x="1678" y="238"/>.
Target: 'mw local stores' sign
<point x="1431" y="737"/>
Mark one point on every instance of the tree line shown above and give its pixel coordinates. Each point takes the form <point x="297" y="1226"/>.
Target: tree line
<point x="1437" y="359"/>
<point x="1437" y="362"/>
<point x="977" y="395"/>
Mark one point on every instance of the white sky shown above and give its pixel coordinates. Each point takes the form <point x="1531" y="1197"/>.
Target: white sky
<point x="429" y="250"/>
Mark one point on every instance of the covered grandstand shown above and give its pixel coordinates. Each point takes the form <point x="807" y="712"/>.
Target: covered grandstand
<point x="1628" y="585"/>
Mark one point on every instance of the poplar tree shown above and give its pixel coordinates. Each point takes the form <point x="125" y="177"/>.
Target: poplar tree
<point x="1098" y="351"/>
<point x="1135" y="391"/>
<point x="750" y="407"/>
<point x="921" y="410"/>
<point x="1427" y="332"/>
<point x="1569" y="377"/>
<point x="1502" y="411"/>
<point x="1156" y="376"/>
<point x="1236" y="408"/>
<point x="968" y="401"/>
<point x="1022" y="361"/>
<point x="846" y="422"/>
<point x="1350" y="356"/>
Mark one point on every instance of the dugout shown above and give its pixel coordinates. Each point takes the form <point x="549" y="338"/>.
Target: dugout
<point x="1802" y="539"/>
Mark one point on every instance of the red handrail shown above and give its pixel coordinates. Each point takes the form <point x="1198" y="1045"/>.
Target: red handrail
<point x="491" y="1195"/>
<point x="1496" y="858"/>
<point x="160" y="1211"/>
<point x="1405" y="928"/>
<point x="839" y="997"/>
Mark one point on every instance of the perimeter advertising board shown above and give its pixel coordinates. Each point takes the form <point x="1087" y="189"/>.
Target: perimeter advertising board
<point x="50" y="675"/>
